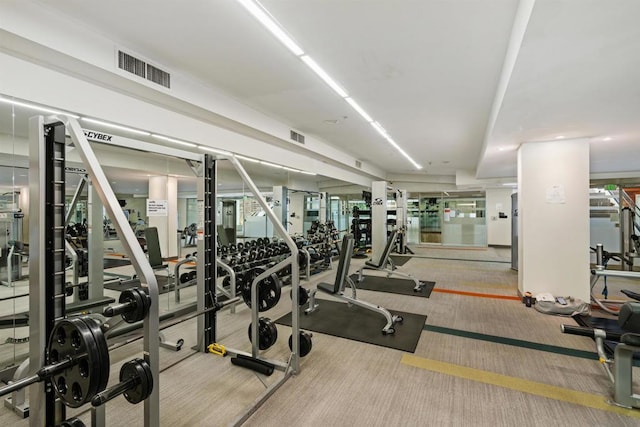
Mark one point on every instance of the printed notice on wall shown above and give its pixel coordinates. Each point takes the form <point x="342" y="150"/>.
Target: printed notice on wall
<point x="556" y="195"/>
<point x="157" y="207"/>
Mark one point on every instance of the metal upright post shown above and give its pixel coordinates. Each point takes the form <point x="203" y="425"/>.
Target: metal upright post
<point x="207" y="242"/>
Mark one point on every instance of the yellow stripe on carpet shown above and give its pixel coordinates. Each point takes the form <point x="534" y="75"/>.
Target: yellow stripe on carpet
<point x="513" y="383"/>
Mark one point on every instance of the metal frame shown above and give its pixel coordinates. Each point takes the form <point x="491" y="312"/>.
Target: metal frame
<point x="129" y="242"/>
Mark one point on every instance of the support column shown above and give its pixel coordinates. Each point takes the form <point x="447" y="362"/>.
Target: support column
<point x="280" y="207"/>
<point x="296" y="207"/>
<point x="322" y="208"/>
<point x="165" y="189"/>
<point x="553" y="218"/>
<point x="378" y="218"/>
<point x="95" y="243"/>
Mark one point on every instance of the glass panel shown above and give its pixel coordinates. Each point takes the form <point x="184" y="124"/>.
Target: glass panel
<point x="430" y="218"/>
<point x="464" y="220"/>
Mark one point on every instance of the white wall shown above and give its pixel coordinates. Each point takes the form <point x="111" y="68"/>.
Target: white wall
<point x="553" y="218"/>
<point x="498" y="229"/>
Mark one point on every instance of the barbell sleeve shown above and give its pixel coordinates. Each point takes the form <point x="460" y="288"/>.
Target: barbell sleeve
<point x="115" y="391"/>
<point x="114" y="310"/>
<point x="42" y="374"/>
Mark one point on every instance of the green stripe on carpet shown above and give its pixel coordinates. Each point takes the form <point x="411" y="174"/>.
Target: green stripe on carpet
<point x="514" y="342"/>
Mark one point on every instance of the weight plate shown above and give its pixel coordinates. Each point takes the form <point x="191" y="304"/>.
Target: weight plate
<point x="303" y="295"/>
<point x="269" y="289"/>
<point x="139" y="369"/>
<point x="193" y="275"/>
<point x="305" y="343"/>
<point x="267" y="333"/>
<point x="77" y="338"/>
<point x="184" y="277"/>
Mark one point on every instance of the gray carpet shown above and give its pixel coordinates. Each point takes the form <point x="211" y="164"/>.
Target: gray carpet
<point x="391" y="285"/>
<point x="358" y="324"/>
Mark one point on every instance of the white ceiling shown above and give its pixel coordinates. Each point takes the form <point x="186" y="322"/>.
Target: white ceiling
<point x="427" y="70"/>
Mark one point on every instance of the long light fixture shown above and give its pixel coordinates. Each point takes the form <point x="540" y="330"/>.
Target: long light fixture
<point x="265" y="18"/>
<point x="255" y="8"/>
<point x="214" y="150"/>
<point x="114" y="126"/>
<point x="175" y="141"/>
<point x="36" y="107"/>
<point x="324" y="76"/>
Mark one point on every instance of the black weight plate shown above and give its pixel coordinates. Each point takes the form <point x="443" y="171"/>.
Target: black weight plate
<point x="240" y="245"/>
<point x="141" y="370"/>
<point x="267" y="333"/>
<point x="193" y="275"/>
<point x="269" y="289"/>
<point x="184" y="277"/>
<point x="303" y="295"/>
<point x="305" y="343"/>
<point x="84" y="341"/>
<point x="137" y="312"/>
<point x="72" y="422"/>
<point x="252" y="255"/>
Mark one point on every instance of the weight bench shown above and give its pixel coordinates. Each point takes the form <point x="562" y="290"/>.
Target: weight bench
<point x="337" y="289"/>
<point x="153" y="250"/>
<point x="386" y="264"/>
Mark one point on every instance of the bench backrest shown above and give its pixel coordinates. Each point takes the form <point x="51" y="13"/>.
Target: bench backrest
<point x="153" y="246"/>
<point x="346" y="251"/>
<point x="387" y="249"/>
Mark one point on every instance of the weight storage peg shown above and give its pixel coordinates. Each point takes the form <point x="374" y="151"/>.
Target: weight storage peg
<point x="136" y="383"/>
<point x="133" y="305"/>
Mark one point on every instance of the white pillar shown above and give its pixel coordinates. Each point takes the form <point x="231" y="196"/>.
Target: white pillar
<point x="280" y="195"/>
<point x="296" y="207"/>
<point x="553" y="218"/>
<point x="322" y="208"/>
<point x="165" y="188"/>
<point x="378" y="218"/>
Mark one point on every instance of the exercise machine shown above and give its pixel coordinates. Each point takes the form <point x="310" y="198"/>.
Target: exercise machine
<point x="619" y="369"/>
<point x="600" y="270"/>
<point x="385" y="264"/>
<point x="337" y="289"/>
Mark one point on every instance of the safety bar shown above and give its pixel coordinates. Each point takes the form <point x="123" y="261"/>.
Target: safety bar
<point x="232" y="282"/>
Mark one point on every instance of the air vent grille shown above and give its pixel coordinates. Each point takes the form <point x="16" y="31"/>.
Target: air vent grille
<point x="140" y="68"/>
<point x="298" y="137"/>
<point x="156" y="75"/>
<point x="131" y="64"/>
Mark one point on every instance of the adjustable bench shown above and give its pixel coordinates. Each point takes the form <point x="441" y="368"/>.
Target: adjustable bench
<point x="337" y="289"/>
<point x="386" y="264"/>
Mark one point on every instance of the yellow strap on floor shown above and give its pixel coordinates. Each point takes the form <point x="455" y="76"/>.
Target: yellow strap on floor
<point x="218" y="349"/>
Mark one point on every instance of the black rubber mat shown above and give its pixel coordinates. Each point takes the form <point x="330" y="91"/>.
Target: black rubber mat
<point x="392" y="285"/>
<point x="114" y="262"/>
<point x="399" y="260"/>
<point x="358" y="324"/>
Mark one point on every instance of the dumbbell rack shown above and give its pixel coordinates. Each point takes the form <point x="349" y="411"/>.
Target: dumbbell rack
<point x="47" y="276"/>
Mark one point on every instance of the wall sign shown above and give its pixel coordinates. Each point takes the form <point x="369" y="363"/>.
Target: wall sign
<point x="157" y="207"/>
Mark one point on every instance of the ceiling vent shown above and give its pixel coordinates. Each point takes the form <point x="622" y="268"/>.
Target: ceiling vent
<point x="297" y="137"/>
<point x="358" y="164"/>
<point x="142" y="69"/>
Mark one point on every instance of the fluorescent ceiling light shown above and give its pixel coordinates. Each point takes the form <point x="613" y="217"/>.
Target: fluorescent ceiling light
<point x="262" y="15"/>
<point x="273" y="165"/>
<point x="249" y="159"/>
<point x="510" y="183"/>
<point x="37" y="107"/>
<point x="401" y="151"/>
<point x="607" y="138"/>
<point x="291" y="169"/>
<point x="324" y="76"/>
<point x="177" y="141"/>
<point x="214" y="150"/>
<point x="378" y="127"/>
<point x="560" y="137"/>
<point x="359" y="109"/>
<point x="111" y="125"/>
<point x="307" y="173"/>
